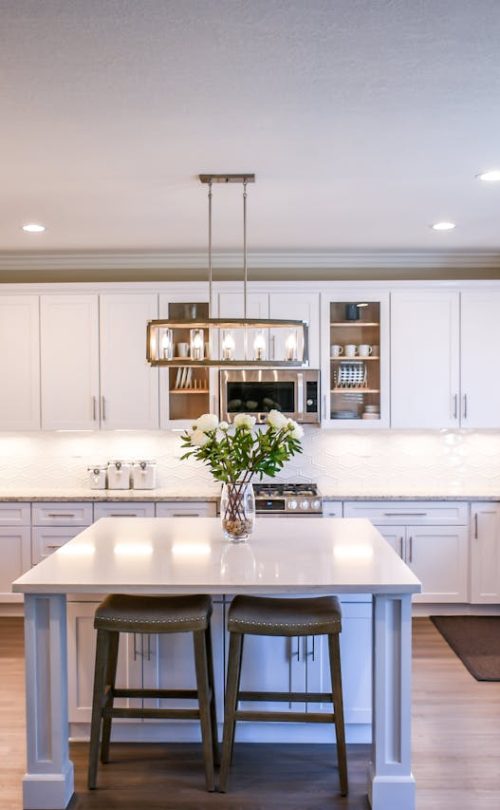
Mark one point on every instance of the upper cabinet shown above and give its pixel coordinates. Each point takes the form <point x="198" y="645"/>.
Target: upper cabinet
<point x="444" y="359"/>
<point x="93" y="362"/>
<point x="129" y="386"/>
<point x="355" y="352"/>
<point x="70" y="361"/>
<point x="19" y="363"/>
<point x="425" y="359"/>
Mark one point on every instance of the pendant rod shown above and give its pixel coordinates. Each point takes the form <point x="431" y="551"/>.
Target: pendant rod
<point x="245" y="268"/>
<point x="210" y="269"/>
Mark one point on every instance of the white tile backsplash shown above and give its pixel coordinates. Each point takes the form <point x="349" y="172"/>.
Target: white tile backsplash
<point x="354" y="462"/>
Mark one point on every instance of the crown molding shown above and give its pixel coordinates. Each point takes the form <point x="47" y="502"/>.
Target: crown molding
<point x="306" y="260"/>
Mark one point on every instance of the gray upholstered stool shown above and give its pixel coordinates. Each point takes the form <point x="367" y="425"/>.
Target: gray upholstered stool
<point x="153" y="614"/>
<point x="283" y="617"/>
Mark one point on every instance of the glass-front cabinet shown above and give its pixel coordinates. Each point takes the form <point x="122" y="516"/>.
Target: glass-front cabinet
<point x="355" y="373"/>
<point x="186" y="391"/>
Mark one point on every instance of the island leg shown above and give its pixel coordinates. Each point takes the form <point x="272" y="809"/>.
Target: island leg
<point x="48" y="782"/>
<point x="392" y="786"/>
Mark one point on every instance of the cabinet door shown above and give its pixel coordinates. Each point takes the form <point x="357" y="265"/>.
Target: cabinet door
<point x="70" y="362"/>
<point x="15" y="559"/>
<point x="300" y="307"/>
<point x="117" y="509"/>
<point x="485" y="553"/>
<point x="230" y="305"/>
<point x="129" y="386"/>
<point x="273" y="664"/>
<point x="480" y="343"/>
<point x="19" y="363"/>
<point x="186" y="509"/>
<point x="47" y="539"/>
<point x="424" y="359"/>
<point x="438" y="556"/>
<point x="395" y="536"/>
<point x="81" y="658"/>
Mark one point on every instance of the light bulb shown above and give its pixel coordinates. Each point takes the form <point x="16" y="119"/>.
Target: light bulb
<point x="259" y="346"/>
<point x="197" y="344"/>
<point x="228" y="346"/>
<point x="167" y="345"/>
<point x="291" y="346"/>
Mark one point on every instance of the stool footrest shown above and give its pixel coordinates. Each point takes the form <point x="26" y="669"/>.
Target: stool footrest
<point x="182" y="694"/>
<point x="155" y="714"/>
<point x="287" y="697"/>
<point x="285" y="717"/>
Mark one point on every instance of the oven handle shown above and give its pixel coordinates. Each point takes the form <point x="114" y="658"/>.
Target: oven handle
<point x="299" y="402"/>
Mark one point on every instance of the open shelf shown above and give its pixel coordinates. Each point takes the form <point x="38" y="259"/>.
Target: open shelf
<point x="343" y="359"/>
<point x="351" y="324"/>
<point x="189" y="391"/>
<point x="354" y="390"/>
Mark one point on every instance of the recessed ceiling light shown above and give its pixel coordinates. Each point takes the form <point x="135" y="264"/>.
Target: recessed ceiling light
<point x="443" y="226"/>
<point x="33" y="227"/>
<point x="493" y="176"/>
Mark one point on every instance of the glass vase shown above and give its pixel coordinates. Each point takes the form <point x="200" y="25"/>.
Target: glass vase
<point x="237" y="511"/>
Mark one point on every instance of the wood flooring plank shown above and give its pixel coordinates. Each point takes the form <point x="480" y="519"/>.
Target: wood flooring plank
<point x="456" y="750"/>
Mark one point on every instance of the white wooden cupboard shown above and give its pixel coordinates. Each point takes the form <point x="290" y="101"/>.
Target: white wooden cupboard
<point x="485" y="553"/>
<point x="19" y="362"/>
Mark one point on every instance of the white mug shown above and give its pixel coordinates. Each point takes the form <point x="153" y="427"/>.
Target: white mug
<point x="364" y="350"/>
<point x="336" y="351"/>
<point x="375" y="351"/>
<point x="183" y="350"/>
<point x="350" y="350"/>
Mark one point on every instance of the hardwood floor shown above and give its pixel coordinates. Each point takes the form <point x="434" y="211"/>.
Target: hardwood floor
<point x="456" y="745"/>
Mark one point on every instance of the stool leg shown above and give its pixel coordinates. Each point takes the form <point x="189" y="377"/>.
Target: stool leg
<point x="110" y="682"/>
<point x="232" y="689"/>
<point x="101" y="663"/>
<point x="211" y="681"/>
<point x="202" y="680"/>
<point x="335" y="669"/>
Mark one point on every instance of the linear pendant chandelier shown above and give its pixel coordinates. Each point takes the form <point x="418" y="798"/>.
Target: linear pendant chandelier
<point x="227" y="342"/>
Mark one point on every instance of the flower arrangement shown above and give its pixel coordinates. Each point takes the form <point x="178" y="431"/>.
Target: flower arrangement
<point x="235" y="453"/>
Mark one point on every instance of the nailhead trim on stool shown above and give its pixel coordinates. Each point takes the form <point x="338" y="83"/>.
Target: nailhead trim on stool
<point x="153" y="614"/>
<point x="267" y="616"/>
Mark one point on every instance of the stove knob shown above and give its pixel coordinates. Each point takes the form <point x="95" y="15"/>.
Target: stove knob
<point x="304" y="505"/>
<point x="316" y="504"/>
<point x="292" y="504"/>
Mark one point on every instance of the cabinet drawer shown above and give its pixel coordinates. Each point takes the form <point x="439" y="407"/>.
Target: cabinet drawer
<point x="62" y="514"/>
<point x="47" y="539"/>
<point x="15" y="514"/>
<point x="186" y="509"/>
<point x="126" y="509"/>
<point x="332" y="509"/>
<point x="446" y="513"/>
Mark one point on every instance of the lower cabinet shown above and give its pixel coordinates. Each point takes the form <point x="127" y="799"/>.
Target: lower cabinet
<point x="485" y="553"/>
<point x="15" y="555"/>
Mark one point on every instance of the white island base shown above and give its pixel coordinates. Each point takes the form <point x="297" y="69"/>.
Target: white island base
<point x="188" y="556"/>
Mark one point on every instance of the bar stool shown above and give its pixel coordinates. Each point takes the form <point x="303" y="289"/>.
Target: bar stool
<point x="262" y="616"/>
<point x="153" y="614"/>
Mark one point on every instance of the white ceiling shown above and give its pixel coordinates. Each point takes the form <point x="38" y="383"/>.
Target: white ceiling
<point x="364" y="121"/>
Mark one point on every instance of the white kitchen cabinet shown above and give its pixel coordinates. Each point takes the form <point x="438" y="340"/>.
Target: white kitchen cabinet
<point x="186" y="509"/>
<point x="19" y="362"/>
<point x="480" y="364"/>
<point x="425" y="383"/>
<point x="129" y="386"/>
<point x="47" y="539"/>
<point x="186" y="393"/>
<point x="355" y="359"/>
<point x="54" y="524"/>
<point x="485" y="553"/>
<point x="297" y="306"/>
<point x="69" y="362"/>
<point x="15" y="556"/>
<point x="124" y="509"/>
<point x="332" y="509"/>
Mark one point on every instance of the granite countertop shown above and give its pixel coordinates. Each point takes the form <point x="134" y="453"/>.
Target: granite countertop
<point x="411" y="496"/>
<point x="85" y="494"/>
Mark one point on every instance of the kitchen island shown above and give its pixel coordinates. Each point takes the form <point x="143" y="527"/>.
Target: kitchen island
<point x="171" y="555"/>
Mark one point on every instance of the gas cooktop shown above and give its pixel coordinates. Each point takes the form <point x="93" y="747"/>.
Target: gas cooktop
<point x="290" y="499"/>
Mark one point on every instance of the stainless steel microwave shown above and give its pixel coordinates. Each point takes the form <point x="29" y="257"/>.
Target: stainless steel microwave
<point x="294" y="392"/>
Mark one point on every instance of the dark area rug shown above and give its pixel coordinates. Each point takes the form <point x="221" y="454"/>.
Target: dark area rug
<point x="476" y="641"/>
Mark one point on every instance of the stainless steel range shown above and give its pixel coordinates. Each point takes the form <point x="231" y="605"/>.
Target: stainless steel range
<point x="288" y="499"/>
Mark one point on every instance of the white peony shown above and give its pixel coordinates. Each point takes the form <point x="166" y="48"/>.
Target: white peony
<point x="224" y="426"/>
<point x="277" y="420"/>
<point x="297" y="431"/>
<point x="207" y="421"/>
<point x="199" y="438"/>
<point x="244" y="420"/>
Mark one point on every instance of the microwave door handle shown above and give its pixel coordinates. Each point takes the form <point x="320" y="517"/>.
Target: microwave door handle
<point x="299" y="404"/>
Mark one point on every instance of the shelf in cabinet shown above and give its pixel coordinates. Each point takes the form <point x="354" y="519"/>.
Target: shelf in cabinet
<point x="350" y="324"/>
<point x="353" y="390"/>
<point x="190" y="391"/>
<point x="344" y="359"/>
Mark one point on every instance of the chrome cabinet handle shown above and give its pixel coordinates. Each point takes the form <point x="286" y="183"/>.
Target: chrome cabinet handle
<point x="405" y="514"/>
<point x="476" y="528"/>
<point x="103" y="408"/>
<point x="55" y="545"/>
<point x="122" y="514"/>
<point x="325" y="411"/>
<point x="61" y="515"/>
<point x="135" y="649"/>
<point x="93" y="408"/>
<point x="149" y="646"/>
<point x="185" y="514"/>
<point x="465" y="406"/>
<point x="410" y="559"/>
<point x="401" y="554"/>
<point x="273" y="347"/>
<point x="455" y="407"/>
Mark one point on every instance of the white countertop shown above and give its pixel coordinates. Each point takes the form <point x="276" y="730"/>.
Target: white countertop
<point x="189" y="555"/>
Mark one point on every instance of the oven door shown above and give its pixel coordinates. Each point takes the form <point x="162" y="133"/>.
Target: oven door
<point x="259" y="391"/>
